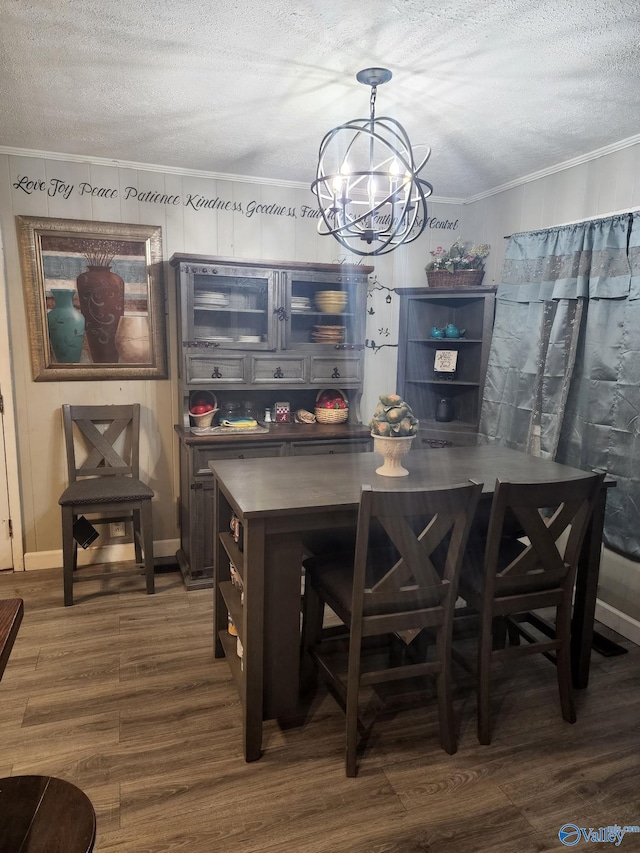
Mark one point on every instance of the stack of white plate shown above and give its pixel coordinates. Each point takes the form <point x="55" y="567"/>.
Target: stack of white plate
<point x="211" y="299"/>
<point x="203" y="333"/>
<point x="300" y="304"/>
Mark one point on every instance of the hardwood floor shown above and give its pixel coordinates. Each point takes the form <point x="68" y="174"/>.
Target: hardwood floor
<point x="121" y="695"/>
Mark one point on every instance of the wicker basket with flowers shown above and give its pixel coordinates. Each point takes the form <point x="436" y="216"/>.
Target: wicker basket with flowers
<point x="461" y="266"/>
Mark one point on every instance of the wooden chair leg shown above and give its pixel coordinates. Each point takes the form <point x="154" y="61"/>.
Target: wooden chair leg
<point x="485" y="642"/>
<point x="147" y="544"/>
<point x="353" y="690"/>
<point x="137" y="535"/>
<point x="563" y="663"/>
<point x="68" y="554"/>
<point x="499" y="633"/>
<point x="312" y="616"/>
<point x="445" y="701"/>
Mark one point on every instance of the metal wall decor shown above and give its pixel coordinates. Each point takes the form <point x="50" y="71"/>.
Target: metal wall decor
<point x="369" y="194"/>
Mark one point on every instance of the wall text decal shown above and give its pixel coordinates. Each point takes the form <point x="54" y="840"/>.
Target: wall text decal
<point x="57" y="188"/>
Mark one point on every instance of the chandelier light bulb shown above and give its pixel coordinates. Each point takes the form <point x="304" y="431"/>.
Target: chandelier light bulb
<point x="370" y="195"/>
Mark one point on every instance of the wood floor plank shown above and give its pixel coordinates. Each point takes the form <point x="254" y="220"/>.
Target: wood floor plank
<point x="120" y="694"/>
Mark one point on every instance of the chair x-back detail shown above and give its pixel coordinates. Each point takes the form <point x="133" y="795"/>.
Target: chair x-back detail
<point x="106" y="481"/>
<point x="397" y="589"/>
<point x="535" y="571"/>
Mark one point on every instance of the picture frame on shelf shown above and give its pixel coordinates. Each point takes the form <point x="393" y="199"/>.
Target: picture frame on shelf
<point x="94" y="298"/>
<point x="445" y="363"/>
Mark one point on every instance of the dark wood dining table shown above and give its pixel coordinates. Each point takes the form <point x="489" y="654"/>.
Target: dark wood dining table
<point x="280" y="500"/>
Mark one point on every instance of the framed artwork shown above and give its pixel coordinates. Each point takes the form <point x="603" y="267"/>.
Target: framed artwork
<point x="445" y="363"/>
<point x="94" y="297"/>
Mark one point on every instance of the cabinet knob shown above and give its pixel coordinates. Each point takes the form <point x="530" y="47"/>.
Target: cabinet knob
<point x="281" y="312"/>
<point x="240" y="455"/>
<point x="335" y="374"/>
<point x="278" y="374"/>
<point x="216" y="373"/>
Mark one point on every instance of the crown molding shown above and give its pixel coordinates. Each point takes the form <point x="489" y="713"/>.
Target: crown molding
<point x="252" y="179"/>
<point x="146" y="167"/>
<point x="173" y="170"/>
<point x="559" y="167"/>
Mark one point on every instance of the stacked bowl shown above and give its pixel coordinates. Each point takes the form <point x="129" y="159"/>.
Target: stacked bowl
<point x="331" y="301"/>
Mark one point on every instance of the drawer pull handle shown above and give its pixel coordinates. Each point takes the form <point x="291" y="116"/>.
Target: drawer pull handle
<point x="335" y="374"/>
<point x="216" y="373"/>
<point x="278" y="374"/>
<point x="201" y="344"/>
<point x="240" y="455"/>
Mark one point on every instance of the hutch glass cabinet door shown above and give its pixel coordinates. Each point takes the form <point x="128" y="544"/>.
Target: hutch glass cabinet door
<point x="325" y="310"/>
<point x="233" y="308"/>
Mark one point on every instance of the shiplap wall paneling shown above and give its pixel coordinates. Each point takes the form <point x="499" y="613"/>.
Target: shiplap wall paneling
<point x="246" y="232"/>
<point x="64" y="179"/>
<point x="277" y="231"/>
<point x="129" y="204"/>
<point x="624" y="170"/>
<point x="104" y="207"/>
<point x="306" y="229"/>
<point x="203" y="230"/>
<point x="571" y="194"/>
<point x="532" y="207"/>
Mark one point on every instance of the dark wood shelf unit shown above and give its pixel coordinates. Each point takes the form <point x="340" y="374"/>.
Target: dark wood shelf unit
<point x="421" y="309"/>
<point x="221" y="301"/>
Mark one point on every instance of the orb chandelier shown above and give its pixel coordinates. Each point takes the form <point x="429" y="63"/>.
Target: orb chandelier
<point x="369" y="194"/>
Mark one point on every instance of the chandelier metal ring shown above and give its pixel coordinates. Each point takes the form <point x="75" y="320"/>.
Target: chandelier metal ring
<point x="376" y="207"/>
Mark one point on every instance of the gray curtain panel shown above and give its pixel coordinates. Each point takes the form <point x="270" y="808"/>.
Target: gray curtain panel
<point x="563" y="380"/>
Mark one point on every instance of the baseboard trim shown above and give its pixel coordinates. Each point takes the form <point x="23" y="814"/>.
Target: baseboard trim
<point x="34" y="560"/>
<point x="624" y="624"/>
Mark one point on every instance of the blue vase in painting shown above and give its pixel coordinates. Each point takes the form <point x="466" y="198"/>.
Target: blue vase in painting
<point x="66" y="327"/>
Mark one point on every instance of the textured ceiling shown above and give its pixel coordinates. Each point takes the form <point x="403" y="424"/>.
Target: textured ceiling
<point x="499" y="90"/>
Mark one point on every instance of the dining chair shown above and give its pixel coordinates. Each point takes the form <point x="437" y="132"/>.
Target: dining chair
<point x="504" y="578"/>
<point x="106" y="482"/>
<point x="11" y="613"/>
<point x="393" y="591"/>
<point x="43" y="814"/>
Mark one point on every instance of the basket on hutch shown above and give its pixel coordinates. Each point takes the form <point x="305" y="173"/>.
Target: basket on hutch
<point x="461" y="266"/>
<point x="203" y="406"/>
<point x="459" y="278"/>
<point x="332" y="407"/>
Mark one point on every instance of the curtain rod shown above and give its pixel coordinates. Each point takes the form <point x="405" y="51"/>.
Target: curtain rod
<point x="577" y="221"/>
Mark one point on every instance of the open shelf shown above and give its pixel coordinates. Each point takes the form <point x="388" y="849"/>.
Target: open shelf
<point x="232" y="599"/>
<point x="233" y="552"/>
<point x="229" y="645"/>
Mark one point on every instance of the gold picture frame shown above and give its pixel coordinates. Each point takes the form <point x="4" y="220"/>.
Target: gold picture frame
<point x="94" y="296"/>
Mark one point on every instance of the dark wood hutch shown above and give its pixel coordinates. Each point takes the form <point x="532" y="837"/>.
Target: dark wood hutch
<point x="251" y="332"/>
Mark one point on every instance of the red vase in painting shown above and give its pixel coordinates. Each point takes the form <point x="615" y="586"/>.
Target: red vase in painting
<point x="101" y="296"/>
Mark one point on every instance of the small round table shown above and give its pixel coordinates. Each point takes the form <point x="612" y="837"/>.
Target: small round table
<point x="42" y="813"/>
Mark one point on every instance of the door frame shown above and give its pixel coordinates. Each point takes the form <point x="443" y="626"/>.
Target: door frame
<point x="9" y="419"/>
